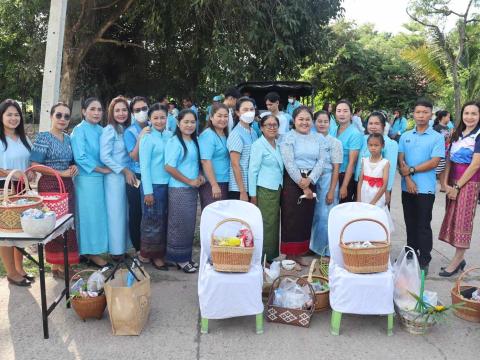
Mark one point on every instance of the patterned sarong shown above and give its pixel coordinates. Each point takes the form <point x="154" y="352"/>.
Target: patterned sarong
<point x="153" y="239"/>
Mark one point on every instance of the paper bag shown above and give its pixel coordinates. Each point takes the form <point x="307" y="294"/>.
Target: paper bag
<point x="128" y="307"/>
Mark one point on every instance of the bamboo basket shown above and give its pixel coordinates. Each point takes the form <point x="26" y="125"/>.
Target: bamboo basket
<point x="231" y="258"/>
<point x="91" y="307"/>
<point x="366" y="260"/>
<point x="471" y="309"/>
<point x="415" y="323"/>
<point x="322" y="298"/>
<point x="10" y="215"/>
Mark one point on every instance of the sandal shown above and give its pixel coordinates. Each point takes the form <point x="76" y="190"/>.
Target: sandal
<point x="194" y="264"/>
<point x="22" y="283"/>
<point x="163" y="267"/>
<point x="187" y="268"/>
<point x="143" y="260"/>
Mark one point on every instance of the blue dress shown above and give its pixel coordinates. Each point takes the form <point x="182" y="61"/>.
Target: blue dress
<point x="113" y="154"/>
<point x="92" y="228"/>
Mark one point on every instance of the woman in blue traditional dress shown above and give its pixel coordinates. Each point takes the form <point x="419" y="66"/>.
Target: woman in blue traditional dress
<point x="327" y="185"/>
<point x="182" y="162"/>
<point x="114" y="155"/>
<point x="53" y="149"/>
<point x="214" y="156"/>
<point x="92" y="228"/>
<point x="153" y="236"/>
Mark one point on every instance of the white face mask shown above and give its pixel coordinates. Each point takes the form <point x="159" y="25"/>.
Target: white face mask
<point x="248" y="117"/>
<point x="291" y="100"/>
<point x="141" y="117"/>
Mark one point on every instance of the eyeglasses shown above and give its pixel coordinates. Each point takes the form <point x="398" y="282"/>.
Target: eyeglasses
<point x="59" y="115"/>
<point x="271" y="126"/>
<point x="136" y="111"/>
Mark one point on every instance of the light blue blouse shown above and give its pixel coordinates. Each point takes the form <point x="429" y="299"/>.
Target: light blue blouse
<point x="265" y="168"/>
<point x="303" y="152"/>
<point x="188" y="165"/>
<point x="214" y="148"/>
<point x="51" y="151"/>
<point x="152" y="159"/>
<point x="86" y="148"/>
<point x="351" y="140"/>
<point x="389" y="152"/>
<point x="113" y="152"/>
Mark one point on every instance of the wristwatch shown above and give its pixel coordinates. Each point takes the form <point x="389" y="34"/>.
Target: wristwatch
<point x="456" y="187"/>
<point x="411" y="170"/>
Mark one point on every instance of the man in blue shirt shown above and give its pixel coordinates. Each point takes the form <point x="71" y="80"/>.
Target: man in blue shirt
<point x="293" y="103"/>
<point x="419" y="153"/>
<point x="272" y="101"/>
<point x="399" y="125"/>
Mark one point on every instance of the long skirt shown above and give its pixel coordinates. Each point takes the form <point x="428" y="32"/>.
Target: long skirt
<point x="54" y="249"/>
<point x="457" y="225"/>
<point x="296" y="217"/>
<point x="134" y="213"/>
<point x="206" y="197"/>
<point x="92" y="225"/>
<point x="351" y="188"/>
<point x="153" y="235"/>
<point x="117" y="213"/>
<point x="268" y="201"/>
<point x="182" y="216"/>
<point x="319" y="239"/>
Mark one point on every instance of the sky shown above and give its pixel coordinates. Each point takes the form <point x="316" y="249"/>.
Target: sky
<point x="386" y="15"/>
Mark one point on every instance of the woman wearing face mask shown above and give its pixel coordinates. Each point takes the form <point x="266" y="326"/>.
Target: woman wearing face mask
<point x="303" y="155"/>
<point x="376" y="125"/>
<point x="351" y="140"/>
<point x="214" y="155"/>
<point x="92" y="228"/>
<point x="132" y="136"/>
<point x="155" y="188"/>
<point x="53" y="149"/>
<point x="14" y="154"/>
<point x="182" y="162"/>
<point x="114" y="155"/>
<point x="265" y="179"/>
<point x="239" y="143"/>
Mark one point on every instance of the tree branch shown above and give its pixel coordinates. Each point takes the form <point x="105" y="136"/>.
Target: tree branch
<point x="106" y="6"/>
<point x="77" y="25"/>
<point x="117" y="42"/>
<point x="112" y="18"/>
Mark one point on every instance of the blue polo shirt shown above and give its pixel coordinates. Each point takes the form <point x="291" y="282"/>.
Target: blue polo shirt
<point x="351" y="139"/>
<point x="418" y="148"/>
<point x="186" y="164"/>
<point x="214" y="148"/>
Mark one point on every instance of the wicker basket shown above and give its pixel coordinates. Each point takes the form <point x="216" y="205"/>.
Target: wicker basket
<point x="322" y="298"/>
<point x="413" y="322"/>
<point x="366" y="260"/>
<point x="231" y="258"/>
<point x="297" y="317"/>
<point x="471" y="309"/>
<point x="10" y="215"/>
<point x="91" y="307"/>
<point x="55" y="201"/>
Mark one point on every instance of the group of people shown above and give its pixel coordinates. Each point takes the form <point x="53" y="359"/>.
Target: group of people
<point x="136" y="181"/>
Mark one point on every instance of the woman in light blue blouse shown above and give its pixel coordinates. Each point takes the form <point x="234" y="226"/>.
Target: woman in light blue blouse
<point x="303" y="158"/>
<point x="91" y="211"/>
<point x="153" y="235"/>
<point x="265" y="179"/>
<point x="239" y="143"/>
<point x="376" y="125"/>
<point x="182" y="162"/>
<point x="214" y="156"/>
<point x="114" y="155"/>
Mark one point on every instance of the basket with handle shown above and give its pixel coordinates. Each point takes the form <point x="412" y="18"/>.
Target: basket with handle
<point x="282" y="315"/>
<point x="10" y="212"/>
<point x="322" y="298"/>
<point x="470" y="311"/>
<point x="366" y="260"/>
<point x="88" y="307"/>
<point x="231" y="258"/>
<point x="55" y="201"/>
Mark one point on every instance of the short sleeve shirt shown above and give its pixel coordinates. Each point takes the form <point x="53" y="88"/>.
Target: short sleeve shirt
<point x="214" y="148"/>
<point x="351" y="139"/>
<point x="240" y="140"/>
<point x="186" y="164"/>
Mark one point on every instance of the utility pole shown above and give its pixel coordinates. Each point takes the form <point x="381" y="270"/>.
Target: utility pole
<point x="53" y="60"/>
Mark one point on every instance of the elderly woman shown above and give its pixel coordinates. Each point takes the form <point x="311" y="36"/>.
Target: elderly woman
<point x="303" y="158"/>
<point x="376" y="125"/>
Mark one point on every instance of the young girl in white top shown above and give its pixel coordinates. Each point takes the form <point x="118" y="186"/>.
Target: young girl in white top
<point x="373" y="179"/>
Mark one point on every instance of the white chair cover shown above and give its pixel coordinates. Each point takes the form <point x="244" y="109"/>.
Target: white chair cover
<point x="225" y="295"/>
<point x="364" y="294"/>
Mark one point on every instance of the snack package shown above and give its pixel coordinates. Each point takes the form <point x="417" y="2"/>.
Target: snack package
<point x="246" y="237"/>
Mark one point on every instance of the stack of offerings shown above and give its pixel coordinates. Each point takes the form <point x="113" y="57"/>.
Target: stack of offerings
<point x="232" y="246"/>
<point x="37" y="222"/>
<point x="87" y="295"/>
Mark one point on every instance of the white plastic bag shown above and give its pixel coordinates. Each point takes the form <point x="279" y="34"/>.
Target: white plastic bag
<point x="273" y="272"/>
<point x="406" y="279"/>
<point x="96" y="281"/>
<point x="292" y="295"/>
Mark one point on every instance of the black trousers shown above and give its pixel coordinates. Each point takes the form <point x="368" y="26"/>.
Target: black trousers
<point x="351" y="188"/>
<point x="417" y="212"/>
<point x="235" y="195"/>
<point x="134" y="213"/>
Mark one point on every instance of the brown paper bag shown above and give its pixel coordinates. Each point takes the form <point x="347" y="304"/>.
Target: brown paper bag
<point x="128" y="307"/>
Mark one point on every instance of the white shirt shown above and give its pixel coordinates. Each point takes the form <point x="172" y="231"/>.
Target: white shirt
<point x="17" y="156"/>
<point x="230" y="120"/>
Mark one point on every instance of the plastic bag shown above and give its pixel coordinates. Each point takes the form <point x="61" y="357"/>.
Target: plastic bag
<point x="273" y="272"/>
<point x="96" y="282"/>
<point x="292" y="295"/>
<point x="406" y="279"/>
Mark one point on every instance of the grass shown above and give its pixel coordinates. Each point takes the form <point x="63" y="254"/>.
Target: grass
<point x="28" y="265"/>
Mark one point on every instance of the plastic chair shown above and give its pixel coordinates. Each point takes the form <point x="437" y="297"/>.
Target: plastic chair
<point x="227" y="295"/>
<point x="362" y="294"/>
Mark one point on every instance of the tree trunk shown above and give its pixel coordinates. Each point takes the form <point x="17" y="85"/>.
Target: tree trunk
<point x="457" y="91"/>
